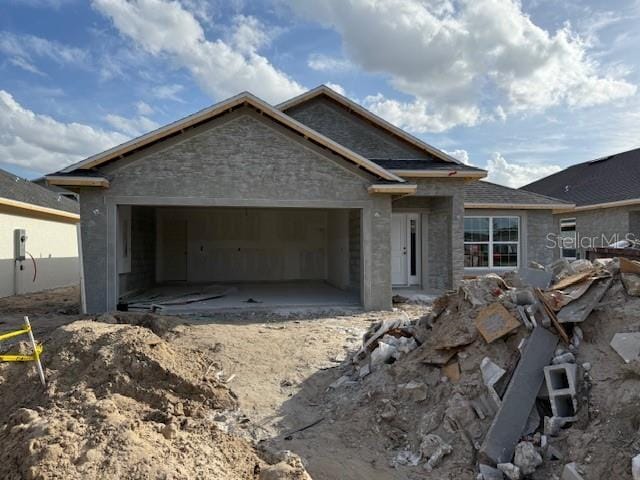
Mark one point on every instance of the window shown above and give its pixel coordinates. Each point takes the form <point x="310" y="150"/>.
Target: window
<point x="491" y="242"/>
<point x="568" y="238"/>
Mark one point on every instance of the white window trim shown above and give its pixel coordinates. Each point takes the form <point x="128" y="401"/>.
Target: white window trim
<point x="569" y="220"/>
<point x="491" y="242"/>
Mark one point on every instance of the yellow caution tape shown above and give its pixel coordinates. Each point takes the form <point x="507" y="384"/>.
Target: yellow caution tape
<point x="37" y="350"/>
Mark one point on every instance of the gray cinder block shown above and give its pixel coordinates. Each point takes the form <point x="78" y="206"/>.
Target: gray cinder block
<point x="561" y="384"/>
<point x="508" y="424"/>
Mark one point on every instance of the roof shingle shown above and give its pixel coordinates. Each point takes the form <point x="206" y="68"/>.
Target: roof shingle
<point x="482" y="192"/>
<point x="609" y="179"/>
<point x="21" y="190"/>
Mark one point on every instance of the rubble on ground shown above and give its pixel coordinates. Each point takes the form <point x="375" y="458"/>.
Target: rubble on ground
<point x="121" y="402"/>
<point x="508" y="377"/>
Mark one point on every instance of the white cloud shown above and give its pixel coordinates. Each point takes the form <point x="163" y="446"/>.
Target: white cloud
<point x="222" y="68"/>
<point x="336" y="87"/>
<point x="168" y="92"/>
<point x="516" y="175"/>
<point x="43" y="144"/>
<point x="143" y="108"/>
<point x="25" y="49"/>
<point x="460" y="154"/>
<point x="457" y="58"/>
<point x="423" y="116"/>
<point x="26" y="66"/>
<point x="324" y="63"/>
<point x="132" y="127"/>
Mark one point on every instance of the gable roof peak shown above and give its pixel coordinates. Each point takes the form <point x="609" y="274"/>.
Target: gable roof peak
<point x="368" y="115"/>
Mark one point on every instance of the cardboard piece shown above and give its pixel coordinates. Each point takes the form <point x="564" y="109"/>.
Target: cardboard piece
<point x="629" y="266"/>
<point x="452" y="371"/>
<point x="573" y="279"/>
<point x="495" y="321"/>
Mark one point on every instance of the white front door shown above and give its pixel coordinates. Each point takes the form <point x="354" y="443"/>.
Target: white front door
<point x="398" y="249"/>
<point x="405" y="249"/>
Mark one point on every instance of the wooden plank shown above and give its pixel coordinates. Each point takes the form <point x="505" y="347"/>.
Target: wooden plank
<point x="495" y="321"/>
<point x="552" y="316"/>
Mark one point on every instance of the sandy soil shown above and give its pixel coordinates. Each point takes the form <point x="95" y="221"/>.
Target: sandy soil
<point x="278" y="365"/>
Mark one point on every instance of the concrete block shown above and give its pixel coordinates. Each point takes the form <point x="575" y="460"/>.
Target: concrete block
<point x="561" y="385"/>
<point x="627" y="345"/>
<point x="517" y="402"/>
<point x="570" y="472"/>
<point x="490" y="473"/>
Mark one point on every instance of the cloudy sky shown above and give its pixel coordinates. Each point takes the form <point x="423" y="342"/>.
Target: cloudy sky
<point x="520" y="88"/>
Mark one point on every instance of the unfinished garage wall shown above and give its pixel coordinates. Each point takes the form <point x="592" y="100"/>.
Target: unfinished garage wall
<point x="245" y="244"/>
<point x="142" y="271"/>
<point x="338" y="248"/>
<point x="355" y="249"/>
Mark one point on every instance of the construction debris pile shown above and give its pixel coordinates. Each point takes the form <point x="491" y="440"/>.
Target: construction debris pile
<point x="122" y="402"/>
<point x="534" y="375"/>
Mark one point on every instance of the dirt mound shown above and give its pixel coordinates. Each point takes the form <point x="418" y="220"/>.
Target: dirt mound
<point x="120" y="403"/>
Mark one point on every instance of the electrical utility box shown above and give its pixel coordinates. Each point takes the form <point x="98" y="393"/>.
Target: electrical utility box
<point x="20" y="243"/>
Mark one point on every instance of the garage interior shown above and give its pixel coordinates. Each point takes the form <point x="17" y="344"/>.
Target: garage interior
<point x="196" y="259"/>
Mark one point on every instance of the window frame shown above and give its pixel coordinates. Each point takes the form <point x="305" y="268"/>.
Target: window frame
<point x="571" y="221"/>
<point x="493" y="242"/>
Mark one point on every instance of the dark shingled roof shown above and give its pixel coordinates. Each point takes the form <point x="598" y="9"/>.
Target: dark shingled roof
<point x="608" y="179"/>
<point x="422" y="164"/>
<point x="21" y="190"/>
<point x="487" y="192"/>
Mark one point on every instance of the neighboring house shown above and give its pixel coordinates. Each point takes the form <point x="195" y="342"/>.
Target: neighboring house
<point x="247" y="192"/>
<point x="505" y="228"/>
<point x="38" y="237"/>
<point x="606" y="194"/>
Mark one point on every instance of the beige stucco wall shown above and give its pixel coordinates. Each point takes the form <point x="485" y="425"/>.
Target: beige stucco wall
<point x="53" y="245"/>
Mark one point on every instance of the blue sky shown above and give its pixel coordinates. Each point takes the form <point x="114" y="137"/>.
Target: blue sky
<point x="522" y="89"/>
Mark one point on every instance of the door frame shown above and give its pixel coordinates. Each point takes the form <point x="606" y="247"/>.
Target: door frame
<point x="411" y="279"/>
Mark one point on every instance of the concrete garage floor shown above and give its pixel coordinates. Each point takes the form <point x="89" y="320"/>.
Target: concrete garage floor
<point x="250" y="296"/>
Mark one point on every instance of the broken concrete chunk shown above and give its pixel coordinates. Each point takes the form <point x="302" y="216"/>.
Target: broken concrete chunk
<point x="570" y="472"/>
<point x="508" y="424"/>
<point x="527" y="458"/>
<point x="491" y="372"/>
<point x="567" y="357"/>
<point x="535" y="278"/>
<point x="553" y="425"/>
<point x="495" y="321"/>
<point x="510" y="470"/>
<point x="406" y="458"/>
<point x="627" y="345"/>
<point x="435" y="449"/>
<point x="490" y="473"/>
<point x="631" y="282"/>
<point x="635" y="467"/>
<point x="522" y="296"/>
<point x="413" y="391"/>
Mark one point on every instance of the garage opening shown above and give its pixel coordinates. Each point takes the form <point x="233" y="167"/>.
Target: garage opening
<point x="191" y="259"/>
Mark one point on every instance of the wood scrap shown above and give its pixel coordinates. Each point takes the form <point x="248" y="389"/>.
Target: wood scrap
<point x="495" y="321"/>
<point x="573" y="279"/>
<point x="552" y="316"/>
<point x="629" y="266"/>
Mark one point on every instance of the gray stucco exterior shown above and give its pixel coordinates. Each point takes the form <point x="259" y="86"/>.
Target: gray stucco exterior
<point x="601" y="226"/>
<point x="241" y="159"/>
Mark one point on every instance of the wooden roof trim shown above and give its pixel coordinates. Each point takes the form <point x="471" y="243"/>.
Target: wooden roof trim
<point x="518" y="206"/>
<point x="619" y="203"/>
<point x="371" y="117"/>
<point x="403" y="189"/>
<point x="79" y="181"/>
<point x="439" y="173"/>
<point x="7" y="202"/>
<point x="244" y="98"/>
